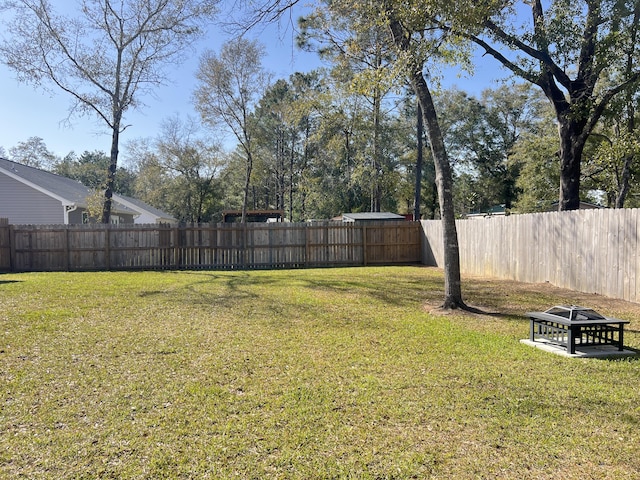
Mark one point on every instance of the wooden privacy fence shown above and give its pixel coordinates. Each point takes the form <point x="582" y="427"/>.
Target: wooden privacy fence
<point x="592" y="251"/>
<point x="221" y="246"/>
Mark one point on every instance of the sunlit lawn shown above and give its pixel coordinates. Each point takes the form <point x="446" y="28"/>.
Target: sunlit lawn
<point x="333" y="373"/>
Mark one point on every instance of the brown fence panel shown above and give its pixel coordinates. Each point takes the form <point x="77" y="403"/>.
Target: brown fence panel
<point x="225" y="246"/>
<point x="137" y="246"/>
<point x="394" y="243"/>
<point x="86" y="248"/>
<point x="334" y="244"/>
<point x="39" y="248"/>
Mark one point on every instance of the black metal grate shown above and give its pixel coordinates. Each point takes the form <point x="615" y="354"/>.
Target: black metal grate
<point x="574" y="312"/>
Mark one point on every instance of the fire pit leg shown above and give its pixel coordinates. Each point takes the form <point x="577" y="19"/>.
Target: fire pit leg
<point x="532" y="329"/>
<point x="572" y="332"/>
<point x="620" y="337"/>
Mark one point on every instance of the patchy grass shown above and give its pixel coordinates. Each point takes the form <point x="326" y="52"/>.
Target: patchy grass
<point x="339" y="373"/>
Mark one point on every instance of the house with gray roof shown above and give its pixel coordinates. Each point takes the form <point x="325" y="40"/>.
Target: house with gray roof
<point x="32" y="196"/>
<point x="145" y="212"/>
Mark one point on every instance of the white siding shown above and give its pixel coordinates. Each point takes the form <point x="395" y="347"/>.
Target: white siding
<point x="24" y="205"/>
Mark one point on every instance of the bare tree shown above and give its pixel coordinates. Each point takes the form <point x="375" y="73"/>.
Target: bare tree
<point x="231" y="84"/>
<point x="192" y="162"/>
<point x="254" y="13"/>
<point x="106" y="55"/>
<point x="34" y="153"/>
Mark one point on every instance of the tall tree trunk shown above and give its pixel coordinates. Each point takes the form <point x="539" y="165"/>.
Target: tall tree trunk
<point x="377" y="163"/>
<point x="625" y="179"/>
<point x="571" y="147"/>
<point x="444" y="179"/>
<point x="418" y="189"/>
<point x="281" y="175"/>
<point x="247" y="183"/>
<point x="572" y="132"/>
<point x="347" y="149"/>
<point x="291" y="179"/>
<point x="444" y="182"/>
<point x="623" y="189"/>
<point x="111" y="174"/>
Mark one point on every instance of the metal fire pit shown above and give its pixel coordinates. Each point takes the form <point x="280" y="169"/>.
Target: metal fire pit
<point x="571" y="325"/>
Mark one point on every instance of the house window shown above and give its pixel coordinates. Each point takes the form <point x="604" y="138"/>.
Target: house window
<point x="85" y="217"/>
<point x="115" y="220"/>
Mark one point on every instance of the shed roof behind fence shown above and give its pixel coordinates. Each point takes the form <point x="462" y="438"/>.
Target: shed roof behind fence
<point x="370" y="217"/>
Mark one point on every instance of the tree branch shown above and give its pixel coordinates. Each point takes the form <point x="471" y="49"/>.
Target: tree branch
<point x="599" y="108"/>
<point x="537" y="54"/>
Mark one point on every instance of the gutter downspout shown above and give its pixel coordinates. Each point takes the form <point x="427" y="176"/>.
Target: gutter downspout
<point x="68" y="209"/>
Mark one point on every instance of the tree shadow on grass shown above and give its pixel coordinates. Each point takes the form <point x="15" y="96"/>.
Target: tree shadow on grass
<point x="468" y="310"/>
<point x="236" y="287"/>
<point x="394" y="290"/>
<point x="486" y="298"/>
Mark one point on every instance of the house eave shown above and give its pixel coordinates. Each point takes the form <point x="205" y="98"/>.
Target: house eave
<point x="64" y="201"/>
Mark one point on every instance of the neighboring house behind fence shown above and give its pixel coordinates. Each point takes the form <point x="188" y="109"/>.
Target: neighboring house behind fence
<point x="30" y="196"/>
<point x="145" y="213"/>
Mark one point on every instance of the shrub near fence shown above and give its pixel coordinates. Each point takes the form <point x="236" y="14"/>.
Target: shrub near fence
<point x="215" y="246"/>
<point x="592" y="251"/>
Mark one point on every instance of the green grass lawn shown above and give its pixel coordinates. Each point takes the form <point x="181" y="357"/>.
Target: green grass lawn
<point x="333" y="373"/>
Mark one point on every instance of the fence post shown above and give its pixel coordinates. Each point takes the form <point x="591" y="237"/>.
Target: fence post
<point x="12" y="244"/>
<point x="176" y="247"/>
<point x="364" y="245"/>
<point x="306" y="244"/>
<point x="6" y="261"/>
<point x="107" y="247"/>
<point x="67" y="249"/>
<point x="245" y="247"/>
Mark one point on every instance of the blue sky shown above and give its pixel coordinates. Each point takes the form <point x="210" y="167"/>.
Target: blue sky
<point x="28" y="112"/>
